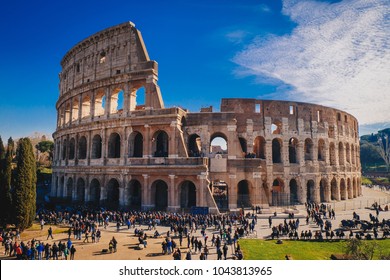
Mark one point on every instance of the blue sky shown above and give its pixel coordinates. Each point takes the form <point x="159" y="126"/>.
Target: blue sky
<point x="334" y="53"/>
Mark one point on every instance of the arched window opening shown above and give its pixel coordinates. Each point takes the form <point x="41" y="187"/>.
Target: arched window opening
<point x="80" y="190"/>
<point x="161" y="144"/>
<point x="137" y="99"/>
<point x="323" y="190"/>
<point x="293" y="150"/>
<point x="82" y="148"/>
<point x="116" y="102"/>
<point x="67" y="113"/>
<point x="278" y="198"/>
<point x="114" y="146"/>
<point x="276" y="150"/>
<point x="310" y="191"/>
<point x="136" y="144"/>
<point x="293" y="192"/>
<point x="243" y="194"/>
<point x="86" y="107"/>
<point x="353" y="158"/>
<point x="321" y="150"/>
<point x="69" y="189"/>
<point x="187" y="195"/>
<point x="334" y="193"/>
<point x="218" y="144"/>
<point x="94" y="192"/>
<point x="72" y="144"/>
<point x="160" y="195"/>
<point x="194" y="146"/>
<point x="100" y="103"/>
<point x="343" y="190"/>
<point x="220" y="192"/>
<point x="64" y="149"/>
<point x="308" y="149"/>
<point x="332" y="154"/>
<point x="341" y="154"/>
<point x="259" y="147"/>
<point x="349" y="189"/>
<point x="75" y="109"/>
<point x="347" y="153"/>
<point x="113" y="194"/>
<point x="243" y="145"/>
<point x="276" y="127"/>
<point x="134" y="194"/>
<point x="96" y="147"/>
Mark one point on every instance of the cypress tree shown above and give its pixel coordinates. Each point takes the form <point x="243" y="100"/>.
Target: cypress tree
<point x="11" y="144"/>
<point x="2" y="149"/>
<point x="5" y="189"/>
<point x="25" y="185"/>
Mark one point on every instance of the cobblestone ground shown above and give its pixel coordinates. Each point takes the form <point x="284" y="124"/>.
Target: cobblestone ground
<point x="127" y="242"/>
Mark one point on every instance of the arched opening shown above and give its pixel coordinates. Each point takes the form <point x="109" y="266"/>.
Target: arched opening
<point x="276" y="127"/>
<point x="277" y="196"/>
<point x="276" y="150"/>
<point x="140" y="99"/>
<point x="161" y="144"/>
<point x="136" y="144"/>
<point x="60" y="191"/>
<point x="353" y="158"/>
<point x="355" y="192"/>
<point x="194" y="145"/>
<point x="86" y="107"/>
<point x="67" y="113"/>
<point x="80" y="190"/>
<point x="323" y="191"/>
<point x="116" y="101"/>
<point x="321" y="150"/>
<point x="96" y="147"/>
<point x="292" y="150"/>
<point x="160" y="194"/>
<point x="220" y="192"/>
<point x="114" y="146"/>
<point x="293" y="192"/>
<point x="349" y="189"/>
<point x="99" y="106"/>
<point x="334" y="193"/>
<point x="75" y="109"/>
<point x="243" y="145"/>
<point x="72" y="144"/>
<point x="69" y="189"/>
<point x="134" y="194"/>
<point x="343" y="190"/>
<point x="187" y="194"/>
<point x="310" y="191"/>
<point x="113" y="194"/>
<point x="82" y="148"/>
<point x="94" y="192"/>
<point x="332" y="154"/>
<point x="341" y="154"/>
<point x="243" y="194"/>
<point x="218" y="144"/>
<point x="308" y="149"/>
<point x="259" y="147"/>
<point x="347" y="153"/>
<point x="64" y="148"/>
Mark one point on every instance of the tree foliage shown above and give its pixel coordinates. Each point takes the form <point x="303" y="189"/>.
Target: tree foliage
<point x="25" y="185"/>
<point x="357" y="249"/>
<point x="5" y="188"/>
<point x="375" y="148"/>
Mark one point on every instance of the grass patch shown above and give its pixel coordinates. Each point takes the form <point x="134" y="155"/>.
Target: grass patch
<point x="257" y="249"/>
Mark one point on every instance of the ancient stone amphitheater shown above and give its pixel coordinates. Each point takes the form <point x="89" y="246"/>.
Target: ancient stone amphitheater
<point x="112" y="151"/>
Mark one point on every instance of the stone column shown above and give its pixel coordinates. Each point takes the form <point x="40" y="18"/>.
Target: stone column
<point x="172" y="194"/>
<point x="147" y="147"/>
<point x="172" y="137"/>
<point x="146" y="199"/>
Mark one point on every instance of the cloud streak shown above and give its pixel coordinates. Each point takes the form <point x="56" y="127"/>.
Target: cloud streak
<point x="338" y="55"/>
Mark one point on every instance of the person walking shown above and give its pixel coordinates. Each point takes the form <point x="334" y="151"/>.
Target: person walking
<point x="72" y="252"/>
<point x="50" y="233"/>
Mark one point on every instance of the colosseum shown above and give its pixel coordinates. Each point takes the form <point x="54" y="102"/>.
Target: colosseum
<point x="113" y="151"/>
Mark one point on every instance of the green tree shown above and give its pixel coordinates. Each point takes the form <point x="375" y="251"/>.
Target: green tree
<point x="25" y="185"/>
<point x="11" y="144"/>
<point x="5" y="189"/>
<point x="2" y="149"/>
<point x="357" y="249"/>
<point x="46" y="146"/>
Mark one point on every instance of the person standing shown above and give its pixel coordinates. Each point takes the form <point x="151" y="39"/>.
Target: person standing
<point x="72" y="252"/>
<point x="50" y="233"/>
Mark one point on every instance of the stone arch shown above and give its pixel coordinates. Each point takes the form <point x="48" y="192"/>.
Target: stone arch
<point x="243" y="194"/>
<point x="94" y="192"/>
<point x="187" y="194"/>
<point x="194" y="145"/>
<point x="64" y="149"/>
<point x="277" y="150"/>
<point x="159" y="191"/>
<point x="324" y="190"/>
<point x="134" y="194"/>
<point x="113" y="194"/>
<point x="276" y="127"/>
<point x="293" y="192"/>
<point x="82" y="148"/>
<point x="219" y="143"/>
<point x="347" y="153"/>
<point x="277" y="190"/>
<point x="310" y="191"/>
<point x="341" y="154"/>
<point x="353" y="159"/>
<point x="116" y="101"/>
<point x="354" y="187"/>
<point x="334" y="190"/>
<point x="321" y="150"/>
<point x="293" y="150"/>
<point x="80" y="190"/>
<point x="332" y="154"/>
<point x="220" y="191"/>
<point x="114" y="145"/>
<point x="96" y="147"/>
<point x="67" y="112"/>
<point x="136" y="144"/>
<point x="75" y="109"/>
<point x="160" y="144"/>
<point x="100" y="100"/>
<point x="69" y="189"/>
<point x="349" y="188"/>
<point x="308" y="147"/>
<point x="259" y="147"/>
<point x="72" y="146"/>
<point x="86" y="106"/>
<point x="343" y="189"/>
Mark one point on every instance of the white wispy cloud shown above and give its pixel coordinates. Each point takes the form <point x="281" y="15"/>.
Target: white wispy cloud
<point x="338" y="55"/>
